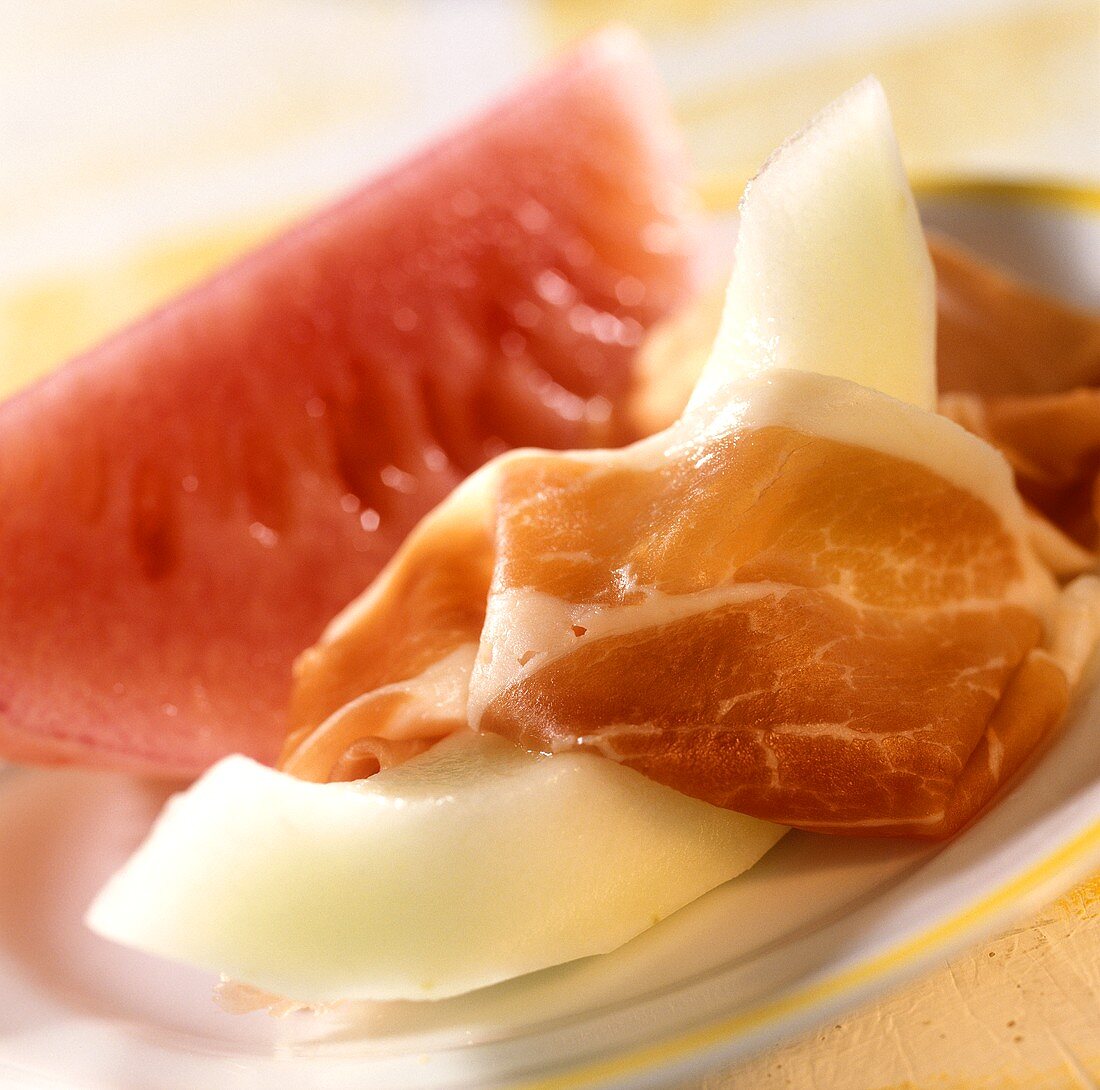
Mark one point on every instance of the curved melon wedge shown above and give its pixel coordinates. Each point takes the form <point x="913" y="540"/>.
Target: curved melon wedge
<point x="832" y="272"/>
<point x="470" y="864"/>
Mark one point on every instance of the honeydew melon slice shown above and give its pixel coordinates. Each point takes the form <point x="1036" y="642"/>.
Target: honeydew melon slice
<point x="470" y="864"/>
<point x="832" y="273"/>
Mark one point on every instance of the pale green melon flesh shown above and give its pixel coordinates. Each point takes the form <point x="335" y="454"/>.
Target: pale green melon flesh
<point x="832" y="273"/>
<point x="470" y="864"/>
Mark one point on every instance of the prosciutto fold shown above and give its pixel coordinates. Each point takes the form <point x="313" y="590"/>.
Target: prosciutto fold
<point x="1023" y="371"/>
<point x="806" y="600"/>
<point x="1018" y="368"/>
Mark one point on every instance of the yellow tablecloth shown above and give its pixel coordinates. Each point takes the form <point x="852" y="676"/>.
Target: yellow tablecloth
<point x="144" y="144"/>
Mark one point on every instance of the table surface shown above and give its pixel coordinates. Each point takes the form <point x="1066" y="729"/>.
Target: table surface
<point x="152" y="142"/>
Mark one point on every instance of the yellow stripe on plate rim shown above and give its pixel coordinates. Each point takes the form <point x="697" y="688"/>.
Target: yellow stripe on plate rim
<point x="1070" y="855"/>
<point x="722" y="194"/>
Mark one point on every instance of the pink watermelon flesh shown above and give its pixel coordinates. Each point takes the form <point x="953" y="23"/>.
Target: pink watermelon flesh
<point x="186" y="506"/>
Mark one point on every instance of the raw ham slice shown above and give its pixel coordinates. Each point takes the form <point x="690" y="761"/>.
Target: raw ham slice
<point x="1053" y="443"/>
<point x="806" y="600"/>
<point x="1023" y="371"/>
<point x="1016" y="367"/>
<point x="805" y="627"/>
<point x="998" y="337"/>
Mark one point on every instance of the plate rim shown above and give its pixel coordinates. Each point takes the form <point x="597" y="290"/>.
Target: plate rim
<point x="702" y="1048"/>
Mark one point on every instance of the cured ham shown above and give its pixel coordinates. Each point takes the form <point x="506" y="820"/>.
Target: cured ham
<point x="1023" y="371"/>
<point x="1018" y="368"/>
<point x="997" y="337"/>
<point x="1052" y="442"/>
<point x="807" y="600"/>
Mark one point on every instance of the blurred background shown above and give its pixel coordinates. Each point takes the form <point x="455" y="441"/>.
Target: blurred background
<point x="145" y="142"/>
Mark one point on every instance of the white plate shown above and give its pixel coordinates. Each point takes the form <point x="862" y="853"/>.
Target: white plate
<point x="820" y="925"/>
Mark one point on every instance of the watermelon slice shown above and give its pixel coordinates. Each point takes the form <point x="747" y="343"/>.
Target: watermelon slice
<point x="187" y="505"/>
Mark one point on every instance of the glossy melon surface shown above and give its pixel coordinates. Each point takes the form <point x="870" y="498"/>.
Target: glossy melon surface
<point x="188" y="504"/>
